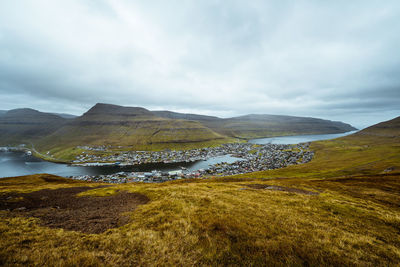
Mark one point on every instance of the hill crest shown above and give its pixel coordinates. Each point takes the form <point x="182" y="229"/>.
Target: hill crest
<point x="109" y="109"/>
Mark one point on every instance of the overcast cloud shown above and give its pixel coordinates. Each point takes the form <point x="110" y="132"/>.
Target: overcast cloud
<point x="330" y="59"/>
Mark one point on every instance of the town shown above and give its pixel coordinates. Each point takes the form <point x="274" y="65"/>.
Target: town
<point x="252" y="157"/>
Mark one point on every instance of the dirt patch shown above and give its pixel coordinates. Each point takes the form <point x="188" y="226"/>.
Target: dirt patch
<point x="282" y="188"/>
<point x="61" y="208"/>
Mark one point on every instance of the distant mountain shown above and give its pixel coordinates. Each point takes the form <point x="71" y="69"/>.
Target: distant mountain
<point x="184" y="116"/>
<point x="130" y="127"/>
<point x="65" y="115"/>
<point x="62" y="115"/>
<point x="260" y="125"/>
<point x="27" y="125"/>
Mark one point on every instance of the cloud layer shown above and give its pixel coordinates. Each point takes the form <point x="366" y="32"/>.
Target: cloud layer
<point x="330" y="59"/>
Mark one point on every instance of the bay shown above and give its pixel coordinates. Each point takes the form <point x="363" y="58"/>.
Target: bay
<point x="19" y="163"/>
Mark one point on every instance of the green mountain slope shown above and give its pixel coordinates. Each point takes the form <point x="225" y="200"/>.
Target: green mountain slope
<point x="389" y="128"/>
<point x="131" y="128"/>
<point x="27" y="125"/>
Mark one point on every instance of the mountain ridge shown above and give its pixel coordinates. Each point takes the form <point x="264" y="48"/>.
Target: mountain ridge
<point x="133" y="128"/>
<point x="137" y="128"/>
<point x="27" y="125"/>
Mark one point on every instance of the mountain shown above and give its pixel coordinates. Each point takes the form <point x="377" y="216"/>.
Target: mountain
<point x="62" y="115"/>
<point x="184" y="116"/>
<point x="136" y="128"/>
<point x="26" y="125"/>
<point x="129" y="127"/>
<point x="65" y="115"/>
<point x="260" y="125"/>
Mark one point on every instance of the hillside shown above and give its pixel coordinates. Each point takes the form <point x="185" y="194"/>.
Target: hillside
<point x="259" y="125"/>
<point x="2" y="112"/>
<point x="341" y="209"/>
<point x="128" y="127"/>
<point x="371" y="151"/>
<point x="27" y="125"/>
<point x="184" y="116"/>
<point x="389" y="128"/>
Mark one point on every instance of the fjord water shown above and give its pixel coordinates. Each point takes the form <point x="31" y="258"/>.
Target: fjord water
<point x="296" y="139"/>
<point x="18" y="163"/>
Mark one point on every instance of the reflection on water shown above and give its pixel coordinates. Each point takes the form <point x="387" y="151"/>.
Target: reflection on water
<point x="18" y="163"/>
<point x="297" y="138"/>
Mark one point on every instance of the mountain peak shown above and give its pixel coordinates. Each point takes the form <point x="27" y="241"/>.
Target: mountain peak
<point x="29" y="114"/>
<point x="22" y="111"/>
<point x="110" y="109"/>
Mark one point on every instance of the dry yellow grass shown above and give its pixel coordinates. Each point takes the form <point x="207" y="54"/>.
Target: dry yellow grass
<point x="354" y="221"/>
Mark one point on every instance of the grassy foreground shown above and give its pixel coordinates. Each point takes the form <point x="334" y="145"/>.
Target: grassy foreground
<point x="353" y="221"/>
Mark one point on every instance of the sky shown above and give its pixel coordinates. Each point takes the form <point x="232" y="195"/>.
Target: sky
<point x="337" y="60"/>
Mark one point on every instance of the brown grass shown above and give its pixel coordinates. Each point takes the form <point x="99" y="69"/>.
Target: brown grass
<point x="61" y="208"/>
<point x="353" y="221"/>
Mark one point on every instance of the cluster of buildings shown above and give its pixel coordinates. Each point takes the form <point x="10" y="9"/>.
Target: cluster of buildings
<point x="147" y="177"/>
<point x="264" y="157"/>
<point x="140" y="157"/>
<point x="253" y="158"/>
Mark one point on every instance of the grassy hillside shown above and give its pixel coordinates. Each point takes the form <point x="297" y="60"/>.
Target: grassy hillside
<point x="370" y="151"/>
<point x="341" y="209"/>
<point x="259" y="126"/>
<point x="27" y="125"/>
<point x="130" y="128"/>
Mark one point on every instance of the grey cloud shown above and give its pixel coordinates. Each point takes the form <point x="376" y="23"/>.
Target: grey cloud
<point x="307" y="58"/>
